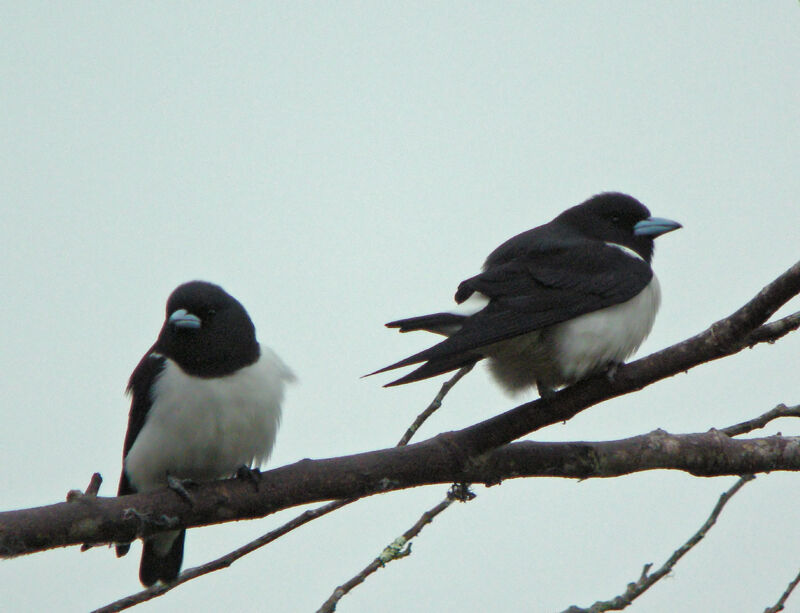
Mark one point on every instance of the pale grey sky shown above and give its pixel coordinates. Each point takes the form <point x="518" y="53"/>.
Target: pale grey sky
<point x="336" y="166"/>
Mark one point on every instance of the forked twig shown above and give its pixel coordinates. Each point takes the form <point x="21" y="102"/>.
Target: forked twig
<point x="779" y="606"/>
<point x="434" y="405"/>
<point x="646" y="580"/>
<point x="762" y="420"/>
<point x="399" y="548"/>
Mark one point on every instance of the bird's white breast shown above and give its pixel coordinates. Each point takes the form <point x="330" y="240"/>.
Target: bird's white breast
<point x="589" y="343"/>
<point x="205" y="429"/>
<point x="572" y="350"/>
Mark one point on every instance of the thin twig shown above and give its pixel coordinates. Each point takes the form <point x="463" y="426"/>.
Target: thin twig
<point x="91" y="490"/>
<point x="434" y="405"/>
<point x="222" y="562"/>
<point x="772" y="331"/>
<point x="762" y="420"/>
<point x="305" y="517"/>
<point x="396" y="548"/>
<point x="399" y="548"/>
<point x="646" y="580"/>
<point x="779" y="606"/>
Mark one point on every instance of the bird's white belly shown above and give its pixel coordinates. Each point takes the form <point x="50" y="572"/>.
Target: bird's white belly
<point x="205" y="429"/>
<point x="575" y="349"/>
<point x="589" y="343"/>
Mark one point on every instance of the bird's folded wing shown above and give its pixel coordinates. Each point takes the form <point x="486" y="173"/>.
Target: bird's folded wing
<point x="139" y="387"/>
<point x="540" y="289"/>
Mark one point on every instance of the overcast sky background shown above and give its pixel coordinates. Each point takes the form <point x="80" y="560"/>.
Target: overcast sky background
<point x="338" y="165"/>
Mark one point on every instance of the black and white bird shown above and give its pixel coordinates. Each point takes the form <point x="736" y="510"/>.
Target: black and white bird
<point x="556" y="304"/>
<point x="206" y="401"/>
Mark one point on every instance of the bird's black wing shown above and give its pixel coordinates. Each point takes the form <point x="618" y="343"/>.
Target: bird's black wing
<point x="139" y="386"/>
<point x="536" y="289"/>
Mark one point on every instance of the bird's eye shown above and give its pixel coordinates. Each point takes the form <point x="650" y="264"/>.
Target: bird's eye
<point x="210" y="313"/>
<point x="615" y="219"/>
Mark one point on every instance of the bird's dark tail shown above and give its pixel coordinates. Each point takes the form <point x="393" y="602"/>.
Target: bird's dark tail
<point x="124" y="488"/>
<point x="437" y="367"/>
<point x="438" y="323"/>
<point x="156" y="566"/>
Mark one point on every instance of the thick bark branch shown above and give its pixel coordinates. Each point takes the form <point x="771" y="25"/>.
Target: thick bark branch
<point x="103" y="520"/>
<point x="710" y="454"/>
<point x="447" y="457"/>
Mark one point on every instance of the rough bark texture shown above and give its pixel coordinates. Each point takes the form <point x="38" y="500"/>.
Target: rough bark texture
<point x="102" y="520"/>
<point x="465" y="455"/>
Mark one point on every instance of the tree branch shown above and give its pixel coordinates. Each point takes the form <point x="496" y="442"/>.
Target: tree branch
<point x="762" y="420"/>
<point x="434" y="406"/>
<point x="709" y="454"/>
<point x="102" y="520"/>
<point x="399" y="548"/>
<point x="646" y="580"/>
<point x="447" y="458"/>
<point x="779" y="606"/>
<point x="222" y="562"/>
<point x="771" y="332"/>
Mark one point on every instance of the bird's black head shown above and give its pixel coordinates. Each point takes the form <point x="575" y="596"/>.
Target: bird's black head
<point x="207" y="331"/>
<point x="617" y="218"/>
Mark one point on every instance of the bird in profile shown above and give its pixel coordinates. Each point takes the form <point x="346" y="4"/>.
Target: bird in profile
<point x="205" y="402"/>
<point x="561" y="302"/>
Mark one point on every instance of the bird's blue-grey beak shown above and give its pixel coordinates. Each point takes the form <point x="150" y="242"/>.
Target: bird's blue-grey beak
<point x="655" y="226"/>
<point x="184" y="319"/>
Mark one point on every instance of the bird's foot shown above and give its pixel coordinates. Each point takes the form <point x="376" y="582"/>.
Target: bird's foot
<point x="146" y="522"/>
<point x="611" y="371"/>
<point x="247" y="473"/>
<point x="179" y="487"/>
<point x="141" y="518"/>
<point x="545" y="391"/>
